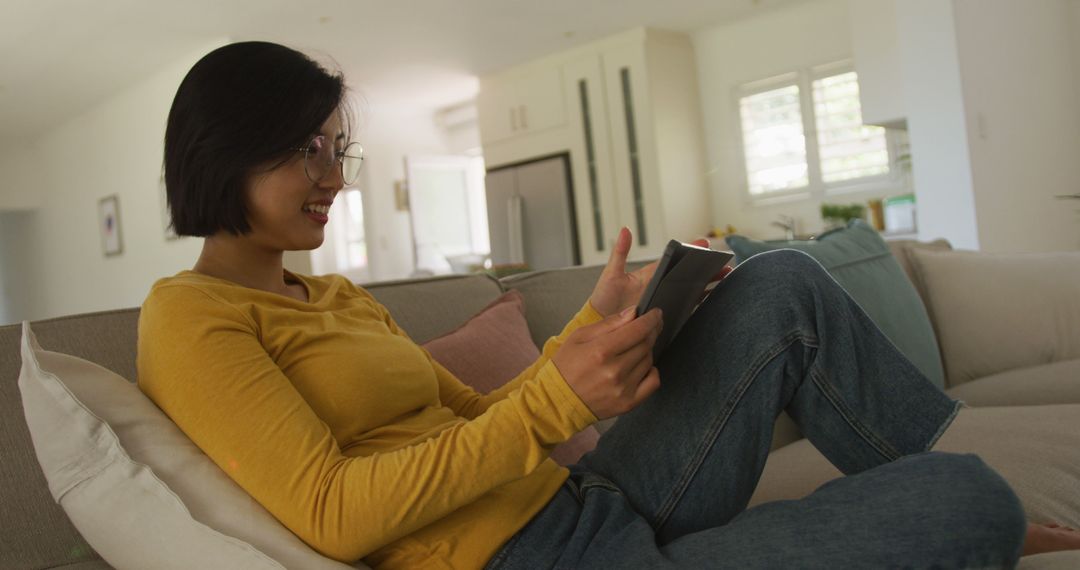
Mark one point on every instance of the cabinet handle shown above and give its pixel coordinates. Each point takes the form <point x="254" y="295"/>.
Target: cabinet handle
<point x="513" y="119"/>
<point x="632" y="149"/>
<point x="524" y="121"/>
<point x="513" y="218"/>
<point x="590" y="159"/>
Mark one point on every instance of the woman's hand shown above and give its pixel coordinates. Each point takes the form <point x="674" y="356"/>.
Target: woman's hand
<point x="609" y="364"/>
<point x="616" y="289"/>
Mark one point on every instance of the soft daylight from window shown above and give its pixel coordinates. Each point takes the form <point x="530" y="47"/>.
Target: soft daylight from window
<point x="848" y="148"/>
<point x="773" y="140"/>
<point x="778" y="149"/>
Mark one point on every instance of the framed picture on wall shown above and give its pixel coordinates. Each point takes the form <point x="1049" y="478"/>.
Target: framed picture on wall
<point x="109" y="225"/>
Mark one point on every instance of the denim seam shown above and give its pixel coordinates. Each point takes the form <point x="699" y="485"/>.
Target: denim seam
<point x="868" y="435"/>
<point x="945" y="425"/>
<point x="721" y="419"/>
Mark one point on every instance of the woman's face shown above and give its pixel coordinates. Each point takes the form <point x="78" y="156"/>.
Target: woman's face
<point x="280" y="201"/>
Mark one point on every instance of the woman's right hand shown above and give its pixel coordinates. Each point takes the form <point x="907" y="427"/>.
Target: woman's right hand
<point x="609" y="364"/>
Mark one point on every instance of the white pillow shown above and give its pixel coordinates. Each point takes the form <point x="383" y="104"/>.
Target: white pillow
<point x="113" y="461"/>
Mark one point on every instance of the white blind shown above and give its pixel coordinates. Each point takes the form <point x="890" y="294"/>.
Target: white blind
<point x="773" y="142"/>
<point x="848" y="149"/>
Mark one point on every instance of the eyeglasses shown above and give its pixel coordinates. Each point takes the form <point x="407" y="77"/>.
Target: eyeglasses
<point x="320" y="156"/>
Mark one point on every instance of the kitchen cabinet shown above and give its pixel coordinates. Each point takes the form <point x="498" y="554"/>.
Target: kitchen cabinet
<point x="877" y="62"/>
<point x="632" y="127"/>
<point x="646" y="142"/>
<point x="520" y="102"/>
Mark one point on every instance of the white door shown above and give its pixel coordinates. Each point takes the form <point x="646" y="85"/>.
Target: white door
<point x="447" y="212"/>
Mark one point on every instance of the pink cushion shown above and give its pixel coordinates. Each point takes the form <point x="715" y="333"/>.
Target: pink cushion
<point x="491" y="349"/>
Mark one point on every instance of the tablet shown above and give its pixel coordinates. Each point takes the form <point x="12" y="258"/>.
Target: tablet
<point x="681" y="276"/>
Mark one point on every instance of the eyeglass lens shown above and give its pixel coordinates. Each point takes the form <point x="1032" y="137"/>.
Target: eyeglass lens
<point x="320" y="158"/>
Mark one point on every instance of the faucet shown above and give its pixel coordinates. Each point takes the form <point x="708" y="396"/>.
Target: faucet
<point x="788" y="223"/>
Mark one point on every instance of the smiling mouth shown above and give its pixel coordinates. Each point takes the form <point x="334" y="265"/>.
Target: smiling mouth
<point x="317" y="209"/>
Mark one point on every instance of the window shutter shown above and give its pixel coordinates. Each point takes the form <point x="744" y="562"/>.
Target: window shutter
<point x="848" y="149"/>
<point x="774" y="145"/>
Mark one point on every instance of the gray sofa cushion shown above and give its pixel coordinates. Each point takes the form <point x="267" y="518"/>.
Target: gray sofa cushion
<point x="553" y="297"/>
<point x="1054" y="383"/>
<point x="429" y="307"/>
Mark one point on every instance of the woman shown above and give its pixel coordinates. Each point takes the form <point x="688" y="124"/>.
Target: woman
<point x="305" y="391"/>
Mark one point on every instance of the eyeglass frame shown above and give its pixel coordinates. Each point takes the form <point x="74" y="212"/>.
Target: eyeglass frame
<point x="339" y="158"/>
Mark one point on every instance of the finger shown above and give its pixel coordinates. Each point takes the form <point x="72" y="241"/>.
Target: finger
<point x="638" y="356"/>
<point x="645" y="273"/>
<point x="610" y="323"/>
<point x="633" y="333"/>
<point x="700" y="242"/>
<point x="617" y="261"/>
<point x="720" y="275"/>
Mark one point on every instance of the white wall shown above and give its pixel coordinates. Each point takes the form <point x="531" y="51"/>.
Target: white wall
<point x="19" y="175"/>
<point x="730" y="55"/>
<point x="17" y="268"/>
<point x="114" y="148"/>
<point x="944" y="192"/>
<point x="1018" y="69"/>
<point x="58" y="267"/>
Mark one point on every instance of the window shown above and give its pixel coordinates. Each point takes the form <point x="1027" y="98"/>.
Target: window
<point x="773" y="140"/>
<point x="848" y="148"/>
<point x="355" y="236"/>
<point x="803" y="132"/>
<point x="345" y="249"/>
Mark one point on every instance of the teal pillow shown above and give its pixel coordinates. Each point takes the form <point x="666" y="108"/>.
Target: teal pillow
<point x="861" y="262"/>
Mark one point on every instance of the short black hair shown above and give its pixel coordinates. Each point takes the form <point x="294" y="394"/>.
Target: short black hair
<point x="238" y="108"/>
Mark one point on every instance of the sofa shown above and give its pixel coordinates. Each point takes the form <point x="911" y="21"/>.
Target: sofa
<point x="1040" y="389"/>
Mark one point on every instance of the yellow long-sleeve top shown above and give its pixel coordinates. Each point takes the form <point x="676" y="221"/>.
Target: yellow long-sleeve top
<point x="346" y="430"/>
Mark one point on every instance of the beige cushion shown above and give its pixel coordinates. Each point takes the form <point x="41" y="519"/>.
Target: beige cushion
<point x="901" y="250"/>
<point x="1064" y="560"/>
<point x="137" y="489"/>
<point x="491" y="349"/>
<point x="1054" y="383"/>
<point x="1035" y="448"/>
<point x="998" y="312"/>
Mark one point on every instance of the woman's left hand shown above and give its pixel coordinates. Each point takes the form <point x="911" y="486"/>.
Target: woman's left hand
<point x="616" y="289"/>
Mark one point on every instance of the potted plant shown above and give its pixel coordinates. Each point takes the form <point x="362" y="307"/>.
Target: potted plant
<point x="838" y="215"/>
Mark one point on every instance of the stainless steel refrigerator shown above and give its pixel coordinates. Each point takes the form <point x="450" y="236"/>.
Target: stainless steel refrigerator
<point x="531" y="216"/>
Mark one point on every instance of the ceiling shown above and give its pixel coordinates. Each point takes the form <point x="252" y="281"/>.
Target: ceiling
<point x="60" y="57"/>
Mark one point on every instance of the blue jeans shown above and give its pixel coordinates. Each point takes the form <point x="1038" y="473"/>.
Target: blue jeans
<point x="668" y="485"/>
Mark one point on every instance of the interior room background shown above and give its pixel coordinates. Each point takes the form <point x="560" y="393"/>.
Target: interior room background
<point x="980" y="92"/>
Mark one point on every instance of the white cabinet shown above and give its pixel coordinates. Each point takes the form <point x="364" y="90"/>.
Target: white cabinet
<point x="520" y="102"/>
<point x="632" y="126"/>
<point x="590" y="158"/>
<point x="646" y="140"/>
<point x="877" y="62"/>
